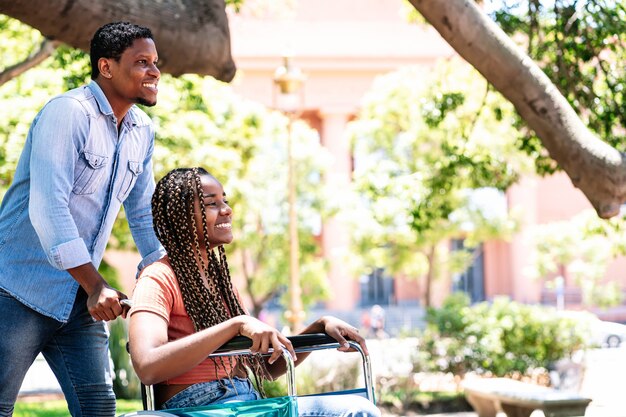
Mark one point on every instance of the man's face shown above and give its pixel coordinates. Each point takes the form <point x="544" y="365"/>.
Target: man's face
<point x="135" y="77"/>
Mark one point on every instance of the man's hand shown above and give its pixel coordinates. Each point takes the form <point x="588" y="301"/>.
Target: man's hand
<point x="103" y="301"/>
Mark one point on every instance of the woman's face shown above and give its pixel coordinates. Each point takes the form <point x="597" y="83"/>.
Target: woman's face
<point x="217" y="211"/>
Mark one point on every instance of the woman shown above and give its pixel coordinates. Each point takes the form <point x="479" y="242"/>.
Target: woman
<point x="185" y="307"/>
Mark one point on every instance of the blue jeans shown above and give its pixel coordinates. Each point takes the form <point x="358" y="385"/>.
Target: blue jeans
<point x="220" y="392"/>
<point x="77" y="352"/>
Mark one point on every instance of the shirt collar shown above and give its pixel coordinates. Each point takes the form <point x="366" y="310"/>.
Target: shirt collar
<point x="105" y="108"/>
<point x="101" y="99"/>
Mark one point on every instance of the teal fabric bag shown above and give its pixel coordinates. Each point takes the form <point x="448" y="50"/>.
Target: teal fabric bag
<point x="268" y="407"/>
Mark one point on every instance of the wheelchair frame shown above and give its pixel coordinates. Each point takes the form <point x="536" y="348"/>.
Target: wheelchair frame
<point x="240" y="345"/>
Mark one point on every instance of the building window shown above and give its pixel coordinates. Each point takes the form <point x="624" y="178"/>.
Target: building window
<point x="377" y="288"/>
<point x="472" y="280"/>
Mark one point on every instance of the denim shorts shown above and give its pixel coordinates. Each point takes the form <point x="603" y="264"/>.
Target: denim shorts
<point x="214" y="392"/>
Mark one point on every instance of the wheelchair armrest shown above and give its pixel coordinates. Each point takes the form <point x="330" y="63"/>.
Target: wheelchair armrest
<point x="298" y="341"/>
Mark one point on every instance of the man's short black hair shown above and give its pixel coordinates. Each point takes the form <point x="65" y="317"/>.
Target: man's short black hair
<point x="112" y="39"/>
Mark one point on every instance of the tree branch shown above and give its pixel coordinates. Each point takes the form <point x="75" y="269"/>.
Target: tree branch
<point x="595" y="167"/>
<point x="46" y="49"/>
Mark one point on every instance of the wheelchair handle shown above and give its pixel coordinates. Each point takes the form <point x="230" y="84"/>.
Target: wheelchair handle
<point x="298" y="342"/>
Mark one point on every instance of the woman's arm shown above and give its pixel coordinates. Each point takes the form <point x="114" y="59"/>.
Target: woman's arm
<point x="332" y="326"/>
<point x="155" y="359"/>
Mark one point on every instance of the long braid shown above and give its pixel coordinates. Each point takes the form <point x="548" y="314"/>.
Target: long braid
<point x="209" y="302"/>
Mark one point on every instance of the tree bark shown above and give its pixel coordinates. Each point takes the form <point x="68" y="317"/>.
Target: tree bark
<point x="192" y="36"/>
<point x="595" y="167"/>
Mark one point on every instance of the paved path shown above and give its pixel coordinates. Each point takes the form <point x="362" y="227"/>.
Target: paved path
<point x="40" y="380"/>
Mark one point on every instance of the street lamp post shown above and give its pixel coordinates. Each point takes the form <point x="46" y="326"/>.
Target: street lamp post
<point x="288" y="81"/>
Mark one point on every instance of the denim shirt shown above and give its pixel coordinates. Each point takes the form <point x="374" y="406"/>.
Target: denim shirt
<point x="74" y="174"/>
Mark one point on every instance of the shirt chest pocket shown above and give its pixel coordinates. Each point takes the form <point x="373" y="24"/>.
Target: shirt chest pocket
<point x="89" y="172"/>
<point x="133" y="170"/>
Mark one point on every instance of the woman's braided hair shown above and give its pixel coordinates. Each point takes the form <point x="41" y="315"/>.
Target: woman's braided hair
<point x="209" y="302"/>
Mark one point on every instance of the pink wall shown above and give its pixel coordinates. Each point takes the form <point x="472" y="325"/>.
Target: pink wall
<point x="497" y="269"/>
<point x="558" y="199"/>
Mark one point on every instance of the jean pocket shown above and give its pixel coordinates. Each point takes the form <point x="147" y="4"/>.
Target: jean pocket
<point x="89" y="172"/>
<point x="203" y="393"/>
<point x="133" y="171"/>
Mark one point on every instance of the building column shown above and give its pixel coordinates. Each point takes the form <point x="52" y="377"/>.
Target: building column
<point x="335" y="237"/>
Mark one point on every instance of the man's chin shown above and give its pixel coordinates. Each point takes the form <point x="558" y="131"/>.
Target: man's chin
<point x="146" y="102"/>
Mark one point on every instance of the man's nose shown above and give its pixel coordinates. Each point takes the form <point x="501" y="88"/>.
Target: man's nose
<point x="154" y="71"/>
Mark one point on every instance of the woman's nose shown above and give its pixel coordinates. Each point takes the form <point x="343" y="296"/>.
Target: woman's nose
<point x="225" y="209"/>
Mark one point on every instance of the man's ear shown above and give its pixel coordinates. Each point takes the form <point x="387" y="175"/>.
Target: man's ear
<point x="104" y="67"/>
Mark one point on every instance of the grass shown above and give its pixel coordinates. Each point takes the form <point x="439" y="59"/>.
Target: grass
<point x="58" y="408"/>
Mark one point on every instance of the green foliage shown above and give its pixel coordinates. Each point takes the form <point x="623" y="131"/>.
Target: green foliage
<point x="580" y="45"/>
<point x="403" y="394"/>
<point x="583" y="248"/>
<point x="499" y="338"/>
<point x="126" y="384"/>
<point x="429" y="147"/>
<point x="20" y="98"/>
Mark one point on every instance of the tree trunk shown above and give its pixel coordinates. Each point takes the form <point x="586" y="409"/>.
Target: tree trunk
<point x="431" y="255"/>
<point x="191" y="36"/>
<point x="595" y="167"/>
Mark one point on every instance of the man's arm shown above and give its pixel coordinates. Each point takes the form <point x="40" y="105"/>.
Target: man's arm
<point x="52" y="163"/>
<point x="138" y="207"/>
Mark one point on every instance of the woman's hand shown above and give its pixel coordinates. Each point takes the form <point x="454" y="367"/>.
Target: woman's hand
<point x="340" y="331"/>
<point x="263" y="337"/>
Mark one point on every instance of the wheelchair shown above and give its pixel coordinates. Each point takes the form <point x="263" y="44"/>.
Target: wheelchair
<point x="269" y="407"/>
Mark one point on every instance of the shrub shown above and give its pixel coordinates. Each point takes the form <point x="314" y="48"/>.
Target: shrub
<point x="500" y="338"/>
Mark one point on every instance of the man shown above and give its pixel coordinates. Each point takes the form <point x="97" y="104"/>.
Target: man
<point x="88" y="152"/>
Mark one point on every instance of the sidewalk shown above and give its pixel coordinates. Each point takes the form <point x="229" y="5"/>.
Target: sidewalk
<point x="40" y="381"/>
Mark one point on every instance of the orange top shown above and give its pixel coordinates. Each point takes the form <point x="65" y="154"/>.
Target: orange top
<point x="157" y="291"/>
